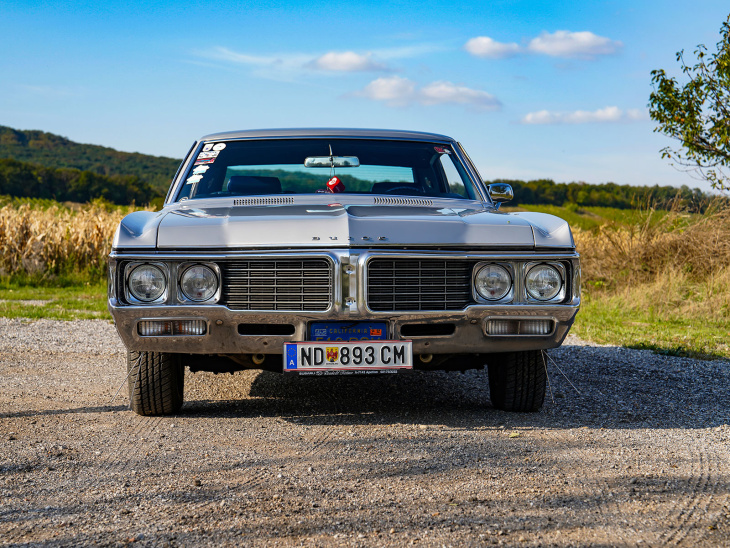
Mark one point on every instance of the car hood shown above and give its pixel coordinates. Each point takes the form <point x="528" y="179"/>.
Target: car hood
<point x="336" y="225"/>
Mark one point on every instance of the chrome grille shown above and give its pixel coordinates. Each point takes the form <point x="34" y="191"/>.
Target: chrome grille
<point x="278" y="284"/>
<point x="419" y="284"/>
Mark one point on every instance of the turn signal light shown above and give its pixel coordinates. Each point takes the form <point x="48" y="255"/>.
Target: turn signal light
<point x="518" y="327"/>
<point x="166" y="328"/>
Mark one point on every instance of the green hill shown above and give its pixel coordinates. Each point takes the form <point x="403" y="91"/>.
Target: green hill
<point x="54" y="151"/>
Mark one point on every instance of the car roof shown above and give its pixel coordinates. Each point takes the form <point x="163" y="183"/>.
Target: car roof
<point x="328" y="132"/>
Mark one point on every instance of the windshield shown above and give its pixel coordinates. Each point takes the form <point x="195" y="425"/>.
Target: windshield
<point x="265" y="167"/>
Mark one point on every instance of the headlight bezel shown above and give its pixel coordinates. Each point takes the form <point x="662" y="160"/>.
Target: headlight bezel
<point x="182" y="268"/>
<point x="131" y="267"/>
<point x="507" y="297"/>
<point x="559" y="267"/>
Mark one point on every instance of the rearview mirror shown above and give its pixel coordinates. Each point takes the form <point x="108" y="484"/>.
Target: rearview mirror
<point x="332" y="161"/>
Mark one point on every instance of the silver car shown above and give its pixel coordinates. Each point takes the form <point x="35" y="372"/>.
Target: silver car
<point x="339" y="252"/>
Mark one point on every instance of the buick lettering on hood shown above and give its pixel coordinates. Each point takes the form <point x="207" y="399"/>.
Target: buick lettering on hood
<point x="339" y="252"/>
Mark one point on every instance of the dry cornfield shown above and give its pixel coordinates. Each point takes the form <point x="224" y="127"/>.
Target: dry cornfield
<point x="696" y="247"/>
<point x="48" y="241"/>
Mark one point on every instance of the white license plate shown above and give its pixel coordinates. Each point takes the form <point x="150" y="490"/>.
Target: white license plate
<point x="348" y="356"/>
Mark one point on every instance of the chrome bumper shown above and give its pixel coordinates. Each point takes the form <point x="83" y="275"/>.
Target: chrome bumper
<point x="222" y="335"/>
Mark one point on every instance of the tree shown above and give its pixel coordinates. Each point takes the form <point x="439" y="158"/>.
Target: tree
<point x="697" y="114"/>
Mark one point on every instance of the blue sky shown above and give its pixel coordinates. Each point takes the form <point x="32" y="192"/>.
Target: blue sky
<point x="531" y="88"/>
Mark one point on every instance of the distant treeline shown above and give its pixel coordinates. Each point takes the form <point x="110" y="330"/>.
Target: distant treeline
<point x="43" y="165"/>
<point x="54" y="151"/>
<point x="22" y="179"/>
<point x="546" y="191"/>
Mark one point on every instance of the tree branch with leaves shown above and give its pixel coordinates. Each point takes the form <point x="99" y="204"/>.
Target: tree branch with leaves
<point x="697" y="113"/>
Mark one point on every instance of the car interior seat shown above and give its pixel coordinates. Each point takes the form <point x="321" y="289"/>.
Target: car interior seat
<point x="247" y="185"/>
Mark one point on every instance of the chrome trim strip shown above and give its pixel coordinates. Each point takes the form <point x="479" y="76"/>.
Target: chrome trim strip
<point x="309" y="252"/>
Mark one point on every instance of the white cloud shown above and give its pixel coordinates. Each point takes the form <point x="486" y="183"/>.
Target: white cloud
<point x="439" y="93"/>
<point x="397" y="91"/>
<point x="282" y="65"/>
<point x="563" y="43"/>
<point x="347" y="61"/>
<point x="602" y="115"/>
<point x="285" y="62"/>
<point x="483" y="46"/>
<point x="393" y="90"/>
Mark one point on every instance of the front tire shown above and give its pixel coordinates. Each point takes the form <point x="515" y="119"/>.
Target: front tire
<point x="517" y="380"/>
<point x="156" y="381"/>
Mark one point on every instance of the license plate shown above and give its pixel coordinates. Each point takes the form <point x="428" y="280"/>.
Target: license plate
<point x="348" y="331"/>
<point x="348" y="356"/>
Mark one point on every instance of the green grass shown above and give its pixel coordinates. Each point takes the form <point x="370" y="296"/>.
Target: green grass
<point x="588" y="218"/>
<point x="576" y="219"/>
<point x="607" y="319"/>
<point x="80" y="302"/>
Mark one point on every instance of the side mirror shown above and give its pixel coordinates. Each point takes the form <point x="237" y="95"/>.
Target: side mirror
<point x="500" y="193"/>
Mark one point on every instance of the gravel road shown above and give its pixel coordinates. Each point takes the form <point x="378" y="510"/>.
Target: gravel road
<point x="636" y="454"/>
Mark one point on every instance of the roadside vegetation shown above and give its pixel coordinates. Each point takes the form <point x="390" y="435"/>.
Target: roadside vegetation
<point x="659" y="283"/>
<point x="53" y="257"/>
<point x="652" y="278"/>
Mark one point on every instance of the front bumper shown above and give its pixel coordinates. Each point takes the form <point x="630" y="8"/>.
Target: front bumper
<point x="223" y="337"/>
<point x="465" y="332"/>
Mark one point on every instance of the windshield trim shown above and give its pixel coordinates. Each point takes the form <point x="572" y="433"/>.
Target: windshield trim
<point x="176" y="188"/>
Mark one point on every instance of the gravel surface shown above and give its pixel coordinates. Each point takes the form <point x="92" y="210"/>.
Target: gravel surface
<point x="636" y="453"/>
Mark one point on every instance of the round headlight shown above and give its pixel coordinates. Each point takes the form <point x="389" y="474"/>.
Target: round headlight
<point x="146" y="283"/>
<point x="199" y="283"/>
<point x="492" y="282"/>
<point x="543" y="282"/>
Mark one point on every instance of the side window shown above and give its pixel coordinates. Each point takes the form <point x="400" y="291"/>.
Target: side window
<point x="453" y="178"/>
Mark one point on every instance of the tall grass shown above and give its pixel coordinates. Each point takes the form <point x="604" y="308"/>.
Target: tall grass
<point x="41" y="241"/>
<point x="661" y="282"/>
<point x="678" y="242"/>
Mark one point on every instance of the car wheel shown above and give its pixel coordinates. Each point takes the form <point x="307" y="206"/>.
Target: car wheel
<point x="156" y="381"/>
<point x="517" y="380"/>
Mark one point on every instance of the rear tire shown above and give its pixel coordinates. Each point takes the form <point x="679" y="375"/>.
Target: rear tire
<point x="156" y="381"/>
<point x="517" y="380"/>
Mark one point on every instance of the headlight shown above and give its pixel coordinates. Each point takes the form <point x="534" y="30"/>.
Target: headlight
<point x="492" y="282"/>
<point x="199" y="283"/>
<point x="146" y="283"/>
<point x="543" y="282"/>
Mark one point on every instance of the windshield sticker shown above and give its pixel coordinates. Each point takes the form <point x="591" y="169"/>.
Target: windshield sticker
<point x="207" y="147"/>
<point x="194" y="179"/>
<point x="211" y="154"/>
<point x="200" y="170"/>
<point x="219" y="146"/>
<point x="442" y="150"/>
<point x="204" y="161"/>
